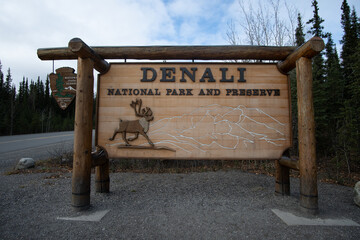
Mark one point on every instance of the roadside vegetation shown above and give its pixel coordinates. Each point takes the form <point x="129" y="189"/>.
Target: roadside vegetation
<point x="336" y="89"/>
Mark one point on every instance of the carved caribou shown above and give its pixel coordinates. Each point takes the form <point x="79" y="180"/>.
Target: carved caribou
<point x="140" y="126"/>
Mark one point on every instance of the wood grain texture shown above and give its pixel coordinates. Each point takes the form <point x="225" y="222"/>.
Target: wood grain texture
<point x="309" y="49"/>
<point x="83" y="135"/>
<point x="282" y="179"/>
<point x="77" y="46"/>
<point x="306" y="129"/>
<point x="290" y="163"/>
<point x="236" y="124"/>
<point x="175" y="52"/>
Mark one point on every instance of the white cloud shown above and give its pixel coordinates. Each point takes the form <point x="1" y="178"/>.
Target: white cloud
<point x="26" y="26"/>
<point x="29" y="25"/>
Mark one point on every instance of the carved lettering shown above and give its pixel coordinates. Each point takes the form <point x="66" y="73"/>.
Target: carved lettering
<point x="167" y="74"/>
<point x="252" y="92"/>
<point x="184" y="72"/>
<point x="242" y="78"/>
<point x="145" y="76"/>
<point x="223" y="76"/>
<point x="208" y="75"/>
<point x="110" y="91"/>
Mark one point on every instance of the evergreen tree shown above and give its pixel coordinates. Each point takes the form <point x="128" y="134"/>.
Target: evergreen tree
<point x="47" y="91"/>
<point x="1" y="80"/>
<point x="320" y="95"/>
<point x="2" y="100"/>
<point x="299" y="32"/>
<point x="349" y="44"/>
<point x="299" y="39"/>
<point x="8" y="82"/>
<point x="12" y="109"/>
<point x="349" y="131"/>
<point x="6" y="103"/>
<point x="316" y="21"/>
<point x="335" y="89"/>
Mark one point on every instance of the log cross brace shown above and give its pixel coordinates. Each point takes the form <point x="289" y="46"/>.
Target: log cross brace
<point x="77" y="46"/>
<point x="99" y="157"/>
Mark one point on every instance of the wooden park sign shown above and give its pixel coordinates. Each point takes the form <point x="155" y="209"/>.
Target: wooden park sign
<point x="63" y="86"/>
<point x="192" y="110"/>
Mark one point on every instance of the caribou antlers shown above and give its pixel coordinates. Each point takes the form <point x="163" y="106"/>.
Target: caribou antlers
<point x="136" y="126"/>
<point x="145" y="112"/>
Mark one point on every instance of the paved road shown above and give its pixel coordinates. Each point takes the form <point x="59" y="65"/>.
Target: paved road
<point x="37" y="146"/>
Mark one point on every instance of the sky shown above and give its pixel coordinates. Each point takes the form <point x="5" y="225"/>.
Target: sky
<point x="27" y="25"/>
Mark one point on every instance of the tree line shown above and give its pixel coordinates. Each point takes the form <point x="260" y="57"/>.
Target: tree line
<point x="336" y="84"/>
<point x="336" y="77"/>
<point x="31" y="109"/>
<point x="336" y="88"/>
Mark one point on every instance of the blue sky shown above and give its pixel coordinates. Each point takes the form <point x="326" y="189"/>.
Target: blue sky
<point x="26" y="26"/>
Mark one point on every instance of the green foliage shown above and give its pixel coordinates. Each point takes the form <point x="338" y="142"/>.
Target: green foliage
<point x="336" y="90"/>
<point x="299" y="32"/>
<point x="32" y="109"/>
<point x="320" y="83"/>
<point x="348" y="123"/>
<point x="316" y="21"/>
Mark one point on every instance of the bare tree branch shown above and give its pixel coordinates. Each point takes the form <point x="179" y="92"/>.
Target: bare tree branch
<point x="265" y="24"/>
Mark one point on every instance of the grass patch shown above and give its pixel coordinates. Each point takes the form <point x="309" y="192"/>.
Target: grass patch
<point x="62" y="161"/>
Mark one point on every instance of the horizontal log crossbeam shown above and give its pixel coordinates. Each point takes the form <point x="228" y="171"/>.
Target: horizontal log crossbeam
<point x="99" y="157"/>
<point x="175" y="52"/>
<point x="308" y="50"/>
<point x="287" y="56"/>
<point x="289" y="162"/>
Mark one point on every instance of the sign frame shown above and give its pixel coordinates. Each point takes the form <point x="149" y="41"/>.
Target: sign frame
<point x="90" y="58"/>
<point x="239" y="80"/>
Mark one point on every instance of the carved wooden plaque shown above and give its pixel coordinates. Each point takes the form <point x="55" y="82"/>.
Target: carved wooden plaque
<point x="194" y="111"/>
<point x="63" y="86"/>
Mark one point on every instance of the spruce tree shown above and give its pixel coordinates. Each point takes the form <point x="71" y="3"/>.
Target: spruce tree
<point x="319" y="85"/>
<point x="335" y="89"/>
<point x="2" y="100"/>
<point x="299" y="32"/>
<point x="299" y="40"/>
<point x="349" y="131"/>
<point x="1" y="81"/>
<point x="6" y="101"/>
<point x="349" y="44"/>
<point x="316" y="21"/>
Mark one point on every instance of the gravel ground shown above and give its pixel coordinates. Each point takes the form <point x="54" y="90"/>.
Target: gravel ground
<point x="209" y="205"/>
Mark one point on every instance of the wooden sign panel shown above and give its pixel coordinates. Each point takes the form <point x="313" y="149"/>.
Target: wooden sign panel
<point x="194" y="111"/>
<point x="63" y="86"/>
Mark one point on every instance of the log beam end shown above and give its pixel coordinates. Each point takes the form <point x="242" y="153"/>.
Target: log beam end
<point x="309" y="49"/>
<point x="77" y="46"/>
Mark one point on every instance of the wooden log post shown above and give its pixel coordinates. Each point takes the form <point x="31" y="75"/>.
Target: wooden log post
<point x="100" y="161"/>
<point x="282" y="179"/>
<point x="83" y="134"/>
<point x="83" y="159"/>
<point x="102" y="179"/>
<point x="306" y="124"/>
<point x="309" y="49"/>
